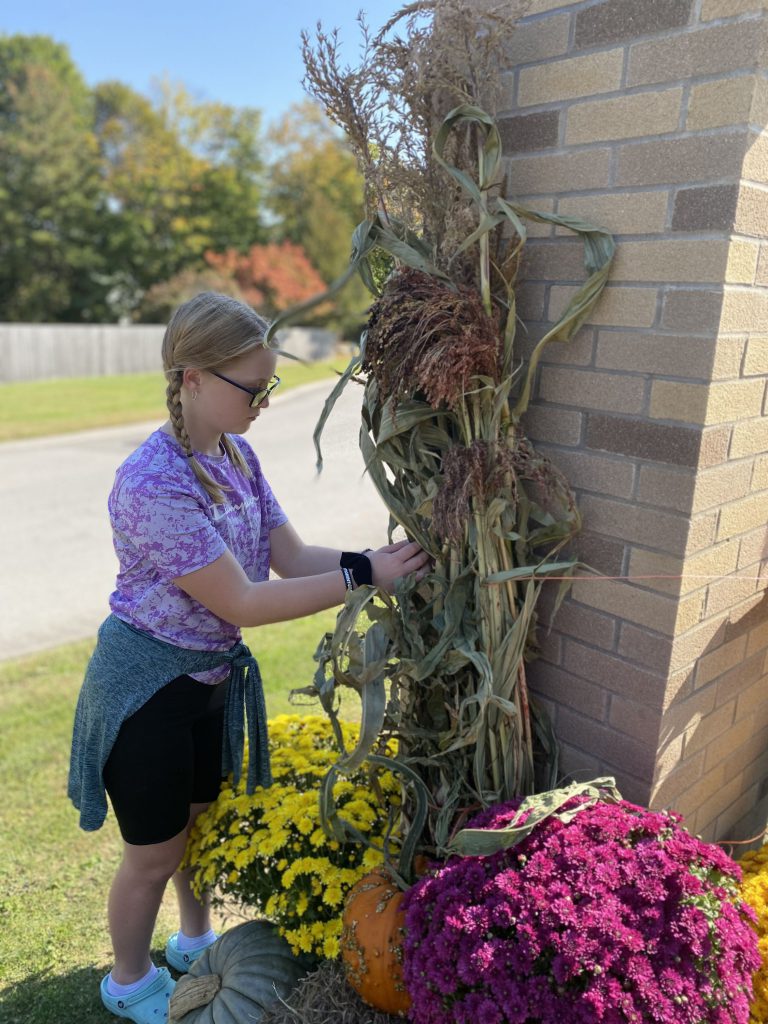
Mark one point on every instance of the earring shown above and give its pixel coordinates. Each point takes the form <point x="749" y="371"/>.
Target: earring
<point x="194" y="396"/>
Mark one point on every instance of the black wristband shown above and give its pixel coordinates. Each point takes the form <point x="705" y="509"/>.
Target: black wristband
<point x="359" y="565"/>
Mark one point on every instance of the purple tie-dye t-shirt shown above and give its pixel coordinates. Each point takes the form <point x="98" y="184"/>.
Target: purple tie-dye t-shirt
<point x="164" y="525"/>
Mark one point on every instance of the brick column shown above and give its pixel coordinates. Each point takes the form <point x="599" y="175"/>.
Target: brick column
<point x="647" y="118"/>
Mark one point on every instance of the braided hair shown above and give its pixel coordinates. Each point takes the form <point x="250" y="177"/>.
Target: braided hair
<point x="206" y="332"/>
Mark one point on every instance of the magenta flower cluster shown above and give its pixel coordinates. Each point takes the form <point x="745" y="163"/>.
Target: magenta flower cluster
<point x="617" y="915"/>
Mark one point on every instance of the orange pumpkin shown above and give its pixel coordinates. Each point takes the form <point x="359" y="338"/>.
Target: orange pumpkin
<point x="372" y="942"/>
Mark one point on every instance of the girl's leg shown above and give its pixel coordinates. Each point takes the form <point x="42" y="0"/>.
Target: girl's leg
<point x="194" y="914"/>
<point x="134" y="901"/>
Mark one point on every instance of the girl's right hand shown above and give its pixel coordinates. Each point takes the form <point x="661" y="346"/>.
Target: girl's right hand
<point x="394" y="561"/>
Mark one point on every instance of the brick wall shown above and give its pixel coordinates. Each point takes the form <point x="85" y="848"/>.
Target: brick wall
<point x="648" y="119"/>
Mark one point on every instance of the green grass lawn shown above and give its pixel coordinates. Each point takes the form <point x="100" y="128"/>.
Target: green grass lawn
<point x="54" y="878"/>
<point x="44" y="407"/>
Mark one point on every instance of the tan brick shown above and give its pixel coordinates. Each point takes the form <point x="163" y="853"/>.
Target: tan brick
<point x="609" y="392"/>
<point x="564" y="172"/>
<point x="667" y="488"/>
<point x="714" y="446"/>
<point x="744" y="308"/>
<point x="540" y="6"/>
<point x="679" y="687"/>
<point x="759" y="112"/>
<point x="728" y="357"/>
<point x="716" y="486"/>
<point x="542" y="204"/>
<point x="669" y="757"/>
<point x="722" y="102"/>
<point x="575" y="76"/>
<point x="761" y="274"/>
<point x="661" y="572"/>
<point x="558" y="426"/>
<point x="712" y="561"/>
<point x="753" y="548"/>
<point x="580" y="622"/>
<point x="634" y="719"/>
<point x="709" y="810"/>
<point x="757" y="639"/>
<point x="726" y="743"/>
<point x="701" y="533"/>
<point x="711" y="9"/>
<point x="696" y="311"/>
<point x="755" y="166"/>
<point x="621" y="213"/>
<point x="538" y="40"/>
<point x="717" y="662"/>
<point x="682" y="55"/>
<point x="617" y="306"/>
<point x="681" y="260"/>
<point x="650" y="527"/>
<point x="725" y="593"/>
<point x="684" y="783"/>
<point x="556" y="259"/>
<point x="722" y="402"/>
<point x="591" y="472"/>
<point x="623" y="752"/>
<point x="756" y="357"/>
<point x="708" y="729"/>
<point x="751" y="213"/>
<point x="759" y="480"/>
<point x="657" y="353"/>
<point x="743" y="515"/>
<point x="690" y="612"/>
<point x="642" y="607"/>
<point x="689" y="647"/>
<point x="749" y="438"/>
<point x="648" y="113"/>
<point x="681" y="161"/>
<point x="754" y="701"/>
<point x="741" y="267"/>
<point x="739" y="678"/>
<point x="646" y="648"/>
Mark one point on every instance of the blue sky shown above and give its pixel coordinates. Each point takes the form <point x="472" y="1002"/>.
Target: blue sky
<point x="242" y="52"/>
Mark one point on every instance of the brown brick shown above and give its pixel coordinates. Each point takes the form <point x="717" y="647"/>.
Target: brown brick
<point x="664" y="354"/>
<point x="693" y="310"/>
<point x="749" y="438"/>
<point x="558" y="426"/>
<point x="530" y="131"/>
<point x="568" y="691"/>
<point x="711" y="9"/>
<point x="681" y="161"/>
<point x="654" y="611"/>
<point x="739" y="678"/>
<point x="636" y="720"/>
<point x="707" y="208"/>
<point x="621" y="213"/>
<point x="556" y="259"/>
<point x="666" y="488"/>
<point x="682" y="56"/>
<point x="610" y="746"/>
<point x="721" y="103"/>
<point x="583" y="623"/>
<point x="599" y="553"/>
<point x="531" y="300"/>
<point x="538" y="40"/>
<point x="625" y="117"/>
<point x="716" y="486"/>
<point x="655" y="441"/>
<point x="617" y="306"/>
<point x="648" y="649"/>
<point x="603" y="475"/>
<point x="618" y="20"/>
<point x="571" y="77"/>
<point x="553" y="172"/>
<point x="606" y="391"/>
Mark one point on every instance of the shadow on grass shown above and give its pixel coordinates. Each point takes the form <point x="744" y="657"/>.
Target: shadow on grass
<point x="66" y="998"/>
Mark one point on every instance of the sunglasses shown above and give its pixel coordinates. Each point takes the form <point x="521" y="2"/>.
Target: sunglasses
<point x="257" y="394"/>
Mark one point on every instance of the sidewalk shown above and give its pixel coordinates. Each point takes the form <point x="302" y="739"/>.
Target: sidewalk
<point x="58" y="566"/>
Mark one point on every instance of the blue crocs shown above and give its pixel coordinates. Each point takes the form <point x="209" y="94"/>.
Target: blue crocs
<point x="148" y="1006"/>
<point x="179" y="959"/>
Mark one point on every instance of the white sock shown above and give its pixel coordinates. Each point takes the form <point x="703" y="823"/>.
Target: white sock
<point x="127" y="990"/>
<point x="187" y="943"/>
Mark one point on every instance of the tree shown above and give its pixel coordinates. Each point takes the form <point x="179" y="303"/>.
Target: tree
<point x="270" y="277"/>
<point x="52" y="213"/>
<point x="316" y="194"/>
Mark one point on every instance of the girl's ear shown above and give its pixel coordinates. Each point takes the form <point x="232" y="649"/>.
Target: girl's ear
<point x="192" y="378"/>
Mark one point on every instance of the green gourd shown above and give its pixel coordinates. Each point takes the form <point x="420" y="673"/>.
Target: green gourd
<point x="239" y="977"/>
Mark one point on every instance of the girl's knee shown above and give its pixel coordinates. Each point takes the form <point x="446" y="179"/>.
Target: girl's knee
<point x="157" y="862"/>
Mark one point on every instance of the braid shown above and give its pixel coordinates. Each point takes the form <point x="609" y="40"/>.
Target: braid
<point x="173" y="401"/>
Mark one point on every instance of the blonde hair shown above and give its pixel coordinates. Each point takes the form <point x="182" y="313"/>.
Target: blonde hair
<point x="206" y="332"/>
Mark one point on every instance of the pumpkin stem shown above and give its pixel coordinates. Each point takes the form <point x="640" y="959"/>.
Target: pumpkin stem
<point x="190" y="993"/>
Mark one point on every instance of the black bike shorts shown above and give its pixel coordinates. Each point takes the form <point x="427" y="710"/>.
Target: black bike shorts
<point x="167" y="756"/>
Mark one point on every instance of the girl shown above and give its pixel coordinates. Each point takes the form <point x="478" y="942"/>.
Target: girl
<point x="170" y="686"/>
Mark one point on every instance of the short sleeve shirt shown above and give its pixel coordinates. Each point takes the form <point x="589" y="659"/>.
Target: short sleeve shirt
<point x="165" y="525"/>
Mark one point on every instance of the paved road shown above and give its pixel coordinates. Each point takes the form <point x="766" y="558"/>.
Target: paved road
<point x="57" y="566"/>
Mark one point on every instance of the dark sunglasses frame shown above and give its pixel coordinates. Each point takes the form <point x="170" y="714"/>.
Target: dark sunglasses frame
<point x="257" y="394"/>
